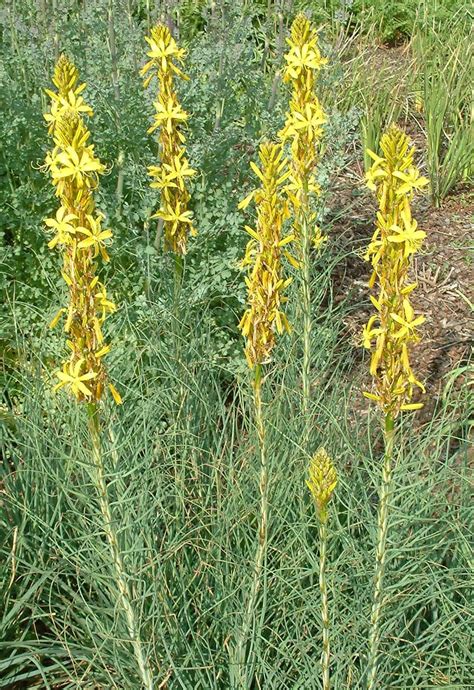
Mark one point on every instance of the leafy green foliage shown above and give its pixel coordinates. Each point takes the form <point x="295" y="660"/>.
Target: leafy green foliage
<point x="394" y="21"/>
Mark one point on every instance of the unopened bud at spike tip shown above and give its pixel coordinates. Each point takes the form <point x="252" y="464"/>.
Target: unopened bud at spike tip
<point x="322" y="480"/>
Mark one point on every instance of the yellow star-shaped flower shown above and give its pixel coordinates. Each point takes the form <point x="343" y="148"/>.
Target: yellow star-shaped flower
<point x="71" y="376"/>
<point x="62" y="224"/>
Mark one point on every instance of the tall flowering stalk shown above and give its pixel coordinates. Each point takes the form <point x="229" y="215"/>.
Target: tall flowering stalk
<point x="171" y="176"/>
<point x="77" y="231"/>
<point x="261" y="322"/>
<point x="303" y="129"/>
<point x="393" y="329"/>
<point x="322" y="482"/>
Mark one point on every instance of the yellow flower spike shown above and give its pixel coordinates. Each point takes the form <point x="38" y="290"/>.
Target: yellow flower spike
<point x="170" y="120"/>
<point x="261" y="322"/>
<point x="265" y="281"/>
<point x="395" y="181"/>
<point x="322" y="481"/>
<point x="397" y="238"/>
<point x="74" y="170"/>
<point x="303" y="126"/>
<point x="301" y="133"/>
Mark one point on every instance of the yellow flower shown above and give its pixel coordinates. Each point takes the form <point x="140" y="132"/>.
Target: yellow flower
<point x="163" y="180"/>
<point x="411" y="179"/>
<point x="95" y="236"/>
<point x="62" y="225"/>
<point x="322" y="481"/>
<point x="179" y="169"/>
<point x="70" y="163"/>
<point x="175" y="216"/>
<point x="409" y="235"/>
<point x="167" y="114"/>
<point x="72" y="102"/>
<point x="171" y="175"/>
<point x="164" y="50"/>
<point x="408" y="323"/>
<point x="308" y="120"/>
<point x="303" y="57"/>
<point x="71" y="376"/>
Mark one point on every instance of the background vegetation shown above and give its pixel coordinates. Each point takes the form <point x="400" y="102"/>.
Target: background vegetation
<point x="181" y="451"/>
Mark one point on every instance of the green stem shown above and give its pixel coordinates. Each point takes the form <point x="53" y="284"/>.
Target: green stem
<point x="55" y="25"/>
<point x="177" y="330"/>
<point x="259" y="573"/>
<point x="178" y="280"/>
<point x="176" y="313"/>
<point x="306" y="304"/>
<point x="323" y="536"/>
<point x="381" y="553"/>
<point x="280" y="47"/>
<point x="181" y="416"/>
<point x="118" y="566"/>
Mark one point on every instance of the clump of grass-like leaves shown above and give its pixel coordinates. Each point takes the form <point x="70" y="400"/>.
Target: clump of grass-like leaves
<point x="186" y="501"/>
<point x="445" y="65"/>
